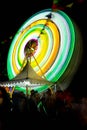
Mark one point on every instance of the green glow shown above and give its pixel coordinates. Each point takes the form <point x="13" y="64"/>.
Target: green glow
<point x="54" y="74"/>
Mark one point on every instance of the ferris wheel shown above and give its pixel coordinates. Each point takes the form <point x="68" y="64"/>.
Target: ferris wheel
<point x="49" y="41"/>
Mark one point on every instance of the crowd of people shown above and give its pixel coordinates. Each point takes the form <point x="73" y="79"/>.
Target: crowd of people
<point x="47" y="109"/>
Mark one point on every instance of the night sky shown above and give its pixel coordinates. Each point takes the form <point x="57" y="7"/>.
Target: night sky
<point x="13" y="14"/>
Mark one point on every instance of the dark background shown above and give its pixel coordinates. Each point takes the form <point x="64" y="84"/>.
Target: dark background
<point x="14" y="13"/>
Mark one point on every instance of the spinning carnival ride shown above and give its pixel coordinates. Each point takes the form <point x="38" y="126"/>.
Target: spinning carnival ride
<point x="44" y="53"/>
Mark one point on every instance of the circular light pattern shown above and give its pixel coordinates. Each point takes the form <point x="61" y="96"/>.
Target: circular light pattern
<point x="55" y="36"/>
